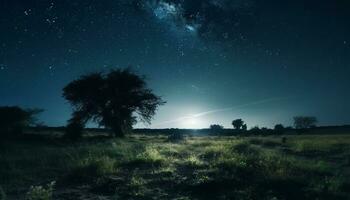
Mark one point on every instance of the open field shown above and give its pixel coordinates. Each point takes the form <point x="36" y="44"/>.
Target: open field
<point x="151" y="167"/>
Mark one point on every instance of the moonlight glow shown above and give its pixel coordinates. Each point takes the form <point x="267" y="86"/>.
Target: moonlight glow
<point x="214" y="54"/>
<point x="192" y="122"/>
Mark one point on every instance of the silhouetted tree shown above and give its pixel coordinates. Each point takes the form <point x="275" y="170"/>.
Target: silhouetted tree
<point x="303" y="122"/>
<point x="279" y="128"/>
<point x="238" y="124"/>
<point x="14" y="119"/>
<point x="255" y="130"/>
<point x="216" y="127"/>
<point x="114" y="100"/>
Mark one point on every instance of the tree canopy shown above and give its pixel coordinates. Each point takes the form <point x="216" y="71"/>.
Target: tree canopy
<point x="115" y="100"/>
<point x="238" y="124"/>
<point x="216" y="127"/>
<point x="303" y="122"/>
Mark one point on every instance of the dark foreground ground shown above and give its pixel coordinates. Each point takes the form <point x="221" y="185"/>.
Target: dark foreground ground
<point x="152" y="167"/>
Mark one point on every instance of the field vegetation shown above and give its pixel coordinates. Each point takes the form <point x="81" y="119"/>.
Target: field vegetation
<point x="160" y="167"/>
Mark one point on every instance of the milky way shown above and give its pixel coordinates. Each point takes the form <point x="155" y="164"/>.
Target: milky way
<point x="200" y="55"/>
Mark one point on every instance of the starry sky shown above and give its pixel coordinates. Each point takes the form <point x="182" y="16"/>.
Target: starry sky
<point x="213" y="61"/>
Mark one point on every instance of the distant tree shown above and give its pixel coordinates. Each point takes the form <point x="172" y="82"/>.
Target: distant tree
<point x="216" y="127"/>
<point x="238" y="124"/>
<point x="279" y="127"/>
<point x="115" y="100"/>
<point x="265" y="131"/>
<point x="303" y="122"/>
<point x="255" y="130"/>
<point x="14" y="119"/>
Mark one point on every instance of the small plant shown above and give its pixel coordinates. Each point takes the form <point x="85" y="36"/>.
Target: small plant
<point x="95" y="167"/>
<point x="137" y="181"/>
<point x="193" y="161"/>
<point x="41" y="192"/>
<point x="202" y="179"/>
<point x="13" y="120"/>
<point x="151" y="154"/>
<point x="91" y="168"/>
<point x="2" y="194"/>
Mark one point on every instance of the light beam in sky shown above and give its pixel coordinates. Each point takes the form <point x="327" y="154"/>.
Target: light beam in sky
<point x="193" y="119"/>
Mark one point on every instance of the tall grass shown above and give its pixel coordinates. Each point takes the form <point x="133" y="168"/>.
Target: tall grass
<point x="200" y="168"/>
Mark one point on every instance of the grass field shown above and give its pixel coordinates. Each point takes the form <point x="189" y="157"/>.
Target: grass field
<point x="151" y="167"/>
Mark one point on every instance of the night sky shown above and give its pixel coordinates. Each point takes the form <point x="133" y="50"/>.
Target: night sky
<point x="213" y="61"/>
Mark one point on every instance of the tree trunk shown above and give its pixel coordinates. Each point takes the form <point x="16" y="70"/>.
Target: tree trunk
<point x="118" y="131"/>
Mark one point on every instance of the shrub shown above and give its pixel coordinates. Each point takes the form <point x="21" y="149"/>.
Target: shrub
<point x="215" y="127"/>
<point x="93" y="167"/>
<point x="14" y="119"/>
<point x="303" y="122"/>
<point x="255" y="130"/>
<point x="193" y="161"/>
<point x="279" y="129"/>
<point x="151" y="154"/>
<point x="40" y="192"/>
<point x="136" y="181"/>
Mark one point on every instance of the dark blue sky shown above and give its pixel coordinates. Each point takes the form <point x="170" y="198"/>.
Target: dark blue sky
<point x="211" y="60"/>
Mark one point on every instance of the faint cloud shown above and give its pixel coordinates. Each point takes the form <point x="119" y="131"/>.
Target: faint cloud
<point x="209" y="112"/>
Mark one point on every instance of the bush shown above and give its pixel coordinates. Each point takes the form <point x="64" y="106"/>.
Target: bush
<point x="14" y="119"/>
<point x="193" y="161"/>
<point x="93" y="167"/>
<point x="215" y="127"/>
<point x="304" y="122"/>
<point x="2" y="194"/>
<point x="40" y="192"/>
<point x="279" y="129"/>
<point x="150" y="155"/>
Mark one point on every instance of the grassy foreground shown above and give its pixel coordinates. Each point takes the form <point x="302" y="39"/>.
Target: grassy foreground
<point x="151" y="167"/>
